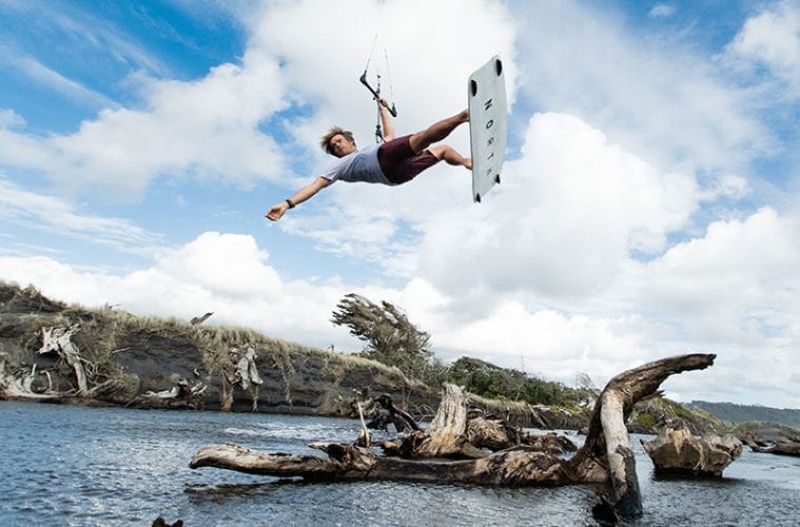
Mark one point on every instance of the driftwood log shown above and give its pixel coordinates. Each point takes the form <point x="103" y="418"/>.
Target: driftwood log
<point x="780" y="447"/>
<point x="783" y="448"/>
<point x="182" y="395"/>
<point x="606" y="456"/>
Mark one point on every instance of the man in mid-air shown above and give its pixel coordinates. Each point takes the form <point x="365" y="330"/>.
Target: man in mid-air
<point x="393" y="162"/>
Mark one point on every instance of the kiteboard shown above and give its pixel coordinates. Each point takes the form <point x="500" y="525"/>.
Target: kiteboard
<point x="488" y="125"/>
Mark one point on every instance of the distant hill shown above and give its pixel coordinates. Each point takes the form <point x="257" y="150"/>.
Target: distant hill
<point x="735" y="414"/>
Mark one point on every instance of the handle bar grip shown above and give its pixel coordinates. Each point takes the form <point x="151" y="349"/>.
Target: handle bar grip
<point x="363" y="79"/>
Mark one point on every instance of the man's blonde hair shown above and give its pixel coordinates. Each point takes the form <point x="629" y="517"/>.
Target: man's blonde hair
<point x="325" y="142"/>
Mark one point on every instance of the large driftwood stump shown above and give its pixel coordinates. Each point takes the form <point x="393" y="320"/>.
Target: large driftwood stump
<point x="675" y="451"/>
<point x="445" y="438"/>
<point x="605" y="457"/>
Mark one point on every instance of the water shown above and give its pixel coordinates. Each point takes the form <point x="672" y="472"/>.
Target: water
<point x="64" y="465"/>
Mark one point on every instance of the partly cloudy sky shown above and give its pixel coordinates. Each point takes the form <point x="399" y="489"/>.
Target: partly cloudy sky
<point x="649" y="204"/>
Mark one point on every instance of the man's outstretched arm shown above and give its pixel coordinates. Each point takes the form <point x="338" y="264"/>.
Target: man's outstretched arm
<point x="277" y="211"/>
<point x="386" y="121"/>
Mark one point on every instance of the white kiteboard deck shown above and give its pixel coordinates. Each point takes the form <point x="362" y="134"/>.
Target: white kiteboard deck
<point x="488" y="125"/>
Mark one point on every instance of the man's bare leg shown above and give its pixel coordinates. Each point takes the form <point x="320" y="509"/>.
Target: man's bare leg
<point x="451" y="156"/>
<point x="437" y="131"/>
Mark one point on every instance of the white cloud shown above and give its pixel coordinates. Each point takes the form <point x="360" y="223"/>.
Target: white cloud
<point x="662" y="10"/>
<point x="223" y="273"/>
<point x="552" y="344"/>
<point x="228" y="265"/>
<point x="734" y="292"/>
<point x="209" y="127"/>
<point x="18" y="149"/>
<point x="568" y="214"/>
<point x="772" y="39"/>
<point x="663" y="101"/>
<point x="737" y="284"/>
<point x="206" y="128"/>
<point x="53" y="214"/>
<point x="429" y="59"/>
<point x="203" y="128"/>
<point x="38" y="73"/>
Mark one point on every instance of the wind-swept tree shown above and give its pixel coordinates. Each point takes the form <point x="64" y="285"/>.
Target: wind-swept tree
<point x="389" y="336"/>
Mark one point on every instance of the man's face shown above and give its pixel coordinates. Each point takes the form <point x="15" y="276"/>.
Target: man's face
<point x="340" y="146"/>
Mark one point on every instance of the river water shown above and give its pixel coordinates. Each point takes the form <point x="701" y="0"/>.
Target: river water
<point x="65" y="465"/>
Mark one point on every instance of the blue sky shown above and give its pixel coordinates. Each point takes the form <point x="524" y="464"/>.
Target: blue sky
<point x="649" y="204"/>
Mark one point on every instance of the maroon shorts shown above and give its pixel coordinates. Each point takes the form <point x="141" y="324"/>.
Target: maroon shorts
<point x="399" y="163"/>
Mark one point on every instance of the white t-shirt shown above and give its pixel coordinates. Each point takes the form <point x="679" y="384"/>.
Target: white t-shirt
<point x="359" y="166"/>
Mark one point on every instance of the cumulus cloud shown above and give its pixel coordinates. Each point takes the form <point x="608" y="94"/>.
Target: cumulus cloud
<point x="212" y="127"/>
<point x="208" y="128"/>
<point x="734" y="291"/>
<point x="736" y="284"/>
<point x="731" y="291"/>
<point x="428" y="61"/>
<point x="223" y="273"/>
<point x="568" y="214"/>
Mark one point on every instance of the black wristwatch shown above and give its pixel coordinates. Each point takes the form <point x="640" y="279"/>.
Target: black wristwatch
<point x="290" y="203"/>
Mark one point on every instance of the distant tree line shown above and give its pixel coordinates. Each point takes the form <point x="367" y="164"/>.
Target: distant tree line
<point x="390" y="338"/>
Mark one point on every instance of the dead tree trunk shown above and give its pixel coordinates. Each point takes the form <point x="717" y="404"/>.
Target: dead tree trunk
<point x="607" y="446"/>
<point x="605" y="457"/>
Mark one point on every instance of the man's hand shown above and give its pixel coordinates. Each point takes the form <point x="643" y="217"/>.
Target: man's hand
<point x="277" y="211"/>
